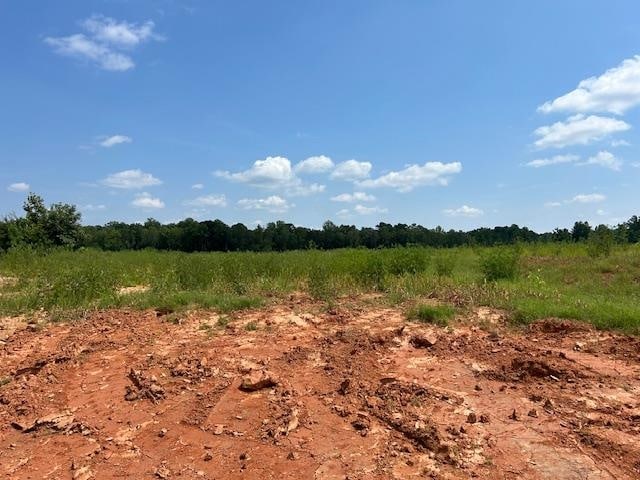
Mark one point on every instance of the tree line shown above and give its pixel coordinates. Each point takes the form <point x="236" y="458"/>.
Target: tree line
<point x="59" y="225"/>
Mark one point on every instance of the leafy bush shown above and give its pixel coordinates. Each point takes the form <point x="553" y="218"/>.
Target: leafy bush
<point x="406" y="260"/>
<point x="499" y="263"/>
<point x="436" y="314"/>
<point x="600" y="242"/>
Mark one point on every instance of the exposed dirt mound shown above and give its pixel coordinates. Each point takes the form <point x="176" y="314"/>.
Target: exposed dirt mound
<point x="353" y="393"/>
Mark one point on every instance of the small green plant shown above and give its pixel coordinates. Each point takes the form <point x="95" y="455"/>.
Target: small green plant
<point x="500" y="263"/>
<point x="319" y="283"/>
<point x="223" y="321"/>
<point x="436" y="314"/>
<point x="251" y="326"/>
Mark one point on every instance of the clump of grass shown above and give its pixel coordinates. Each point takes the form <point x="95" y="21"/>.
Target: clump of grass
<point x="251" y="326"/>
<point x="500" y="263"/>
<point x="444" y="265"/>
<point x="435" y="314"/>
<point x="223" y="321"/>
<point x="319" y="283"/>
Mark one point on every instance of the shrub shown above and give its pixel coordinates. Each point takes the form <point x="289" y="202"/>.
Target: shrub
<point x="600" y="242"/>
<point x="319" y="283"/>
<point x="372" y="272"/>
<point x="500" y="263"/>
<point x="406" y="260"/>
<point x="436" y="314"/>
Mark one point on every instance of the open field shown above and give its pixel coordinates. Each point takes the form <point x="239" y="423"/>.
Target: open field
<point x="546" y="280"/>
<point x="498" y="363"/>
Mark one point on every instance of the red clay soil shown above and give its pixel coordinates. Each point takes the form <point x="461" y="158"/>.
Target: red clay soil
<point x="354" y="393"/>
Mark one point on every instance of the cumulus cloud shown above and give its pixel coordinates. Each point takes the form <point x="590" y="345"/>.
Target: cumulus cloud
<point x="18" y="187"/>
<point x="431" y="173"/>
<point x="353" y="197"/>
<point x="578" y="130"/>
<point x="114" y="140"/>
<point x="604" y="159"/>
<point x="351" y="170"/>
<point x="145" y="200"/>
<point x="545" y="162"/>
<point x="615" y="91"/>
<point x="362" y="210"/>
<point x="104" y="42"/>
<point x="317" y="164"/>
<point x="273" y="173"/>
<point x="274" y="204"/>
<point x="463" y="211"/>
<point x="208" y="201"/>
<point x="130" y="179"/>
<point x="588" y="198"/>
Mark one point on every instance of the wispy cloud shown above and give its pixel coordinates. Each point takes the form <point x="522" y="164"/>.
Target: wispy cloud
<point x="431" y="173"/>
<point x="146" y="201"/>
<point x="114" y="140"/>
<point x="615" y="91"/>
<point x="208" y="201"/>
<point x="353" y="197"/>
<point x="588" y="198"/>
<point x="130" y="179"/>
<point x="578" y="130"/>
<point x="274" y="204"/>
<point x="463" y="211"/>
<point x="107" y="43"/>
<point x="604" y="159"/>
<point x="558" y="159"/>
<point x="18" y="187"/>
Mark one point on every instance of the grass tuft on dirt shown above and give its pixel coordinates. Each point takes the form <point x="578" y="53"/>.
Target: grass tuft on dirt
<point x="435" y="314"/>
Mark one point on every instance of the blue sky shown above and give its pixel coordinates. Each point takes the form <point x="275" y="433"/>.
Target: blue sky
<point x="452" y="113"/>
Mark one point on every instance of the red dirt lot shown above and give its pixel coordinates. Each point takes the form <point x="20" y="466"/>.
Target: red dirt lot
<point x="302" y="393"/>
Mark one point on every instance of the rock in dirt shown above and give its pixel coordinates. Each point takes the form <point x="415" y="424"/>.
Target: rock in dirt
<point x="81" y="473"/>
<point x="60" y="422"/>
<point x="424" y="340"/>
<point x="257" y="381"/>
<point x="472" y="418"/>
<point x="143" y="387"/>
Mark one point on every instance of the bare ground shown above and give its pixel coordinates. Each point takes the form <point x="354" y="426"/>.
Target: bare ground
<point x="353" y="393"/>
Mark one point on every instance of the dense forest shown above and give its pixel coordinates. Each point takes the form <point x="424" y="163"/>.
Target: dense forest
<point x="59" y="225"/>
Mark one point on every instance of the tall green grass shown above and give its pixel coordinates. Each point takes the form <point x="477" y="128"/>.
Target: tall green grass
<point x="534" y="281"/>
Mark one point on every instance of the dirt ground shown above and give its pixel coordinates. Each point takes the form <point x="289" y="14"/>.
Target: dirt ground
<point x="294" y="391"/>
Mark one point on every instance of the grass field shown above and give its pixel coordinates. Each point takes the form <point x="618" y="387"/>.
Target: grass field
<point x="530" y="281"/>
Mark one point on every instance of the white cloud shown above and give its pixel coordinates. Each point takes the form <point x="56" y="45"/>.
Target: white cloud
<point x="578" y="130"/>
<point x="208" y="201"/>
<point x="353" y="197"/>
<point x="270" y="172"/>
<point x="18" y="187"/>
<point x="145" y="200"/>
<point x="544" y="162"/>
<point x="362" y="210"/>
<point x="317" y="164"/>
<point x="344" y="213"/>
<point x="273" y="173"/>
<point x="635" y="164"/>
<point x="601" y="212"/>
<point x="130" y="179"/>
<point x="197" y="186"/>
<point x="615" y="91"/>
<point x="92" y="208"/>
<point x="588" y="198"/>
<point x="105" y="37"/>
<point x="122" y="34"/>
<point x="304" y="190"/>
<point x="274" y="204"/>
<point x="620" y="143"/>
<point x="79" y="46"/>
<point x="351" y="170"/>
<point x="604" y="159"/>
<point x="431" y="173"/>
<point x="463" y="211"/>
<point x="115" y="140"/>
<point x="553" y="204"/>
